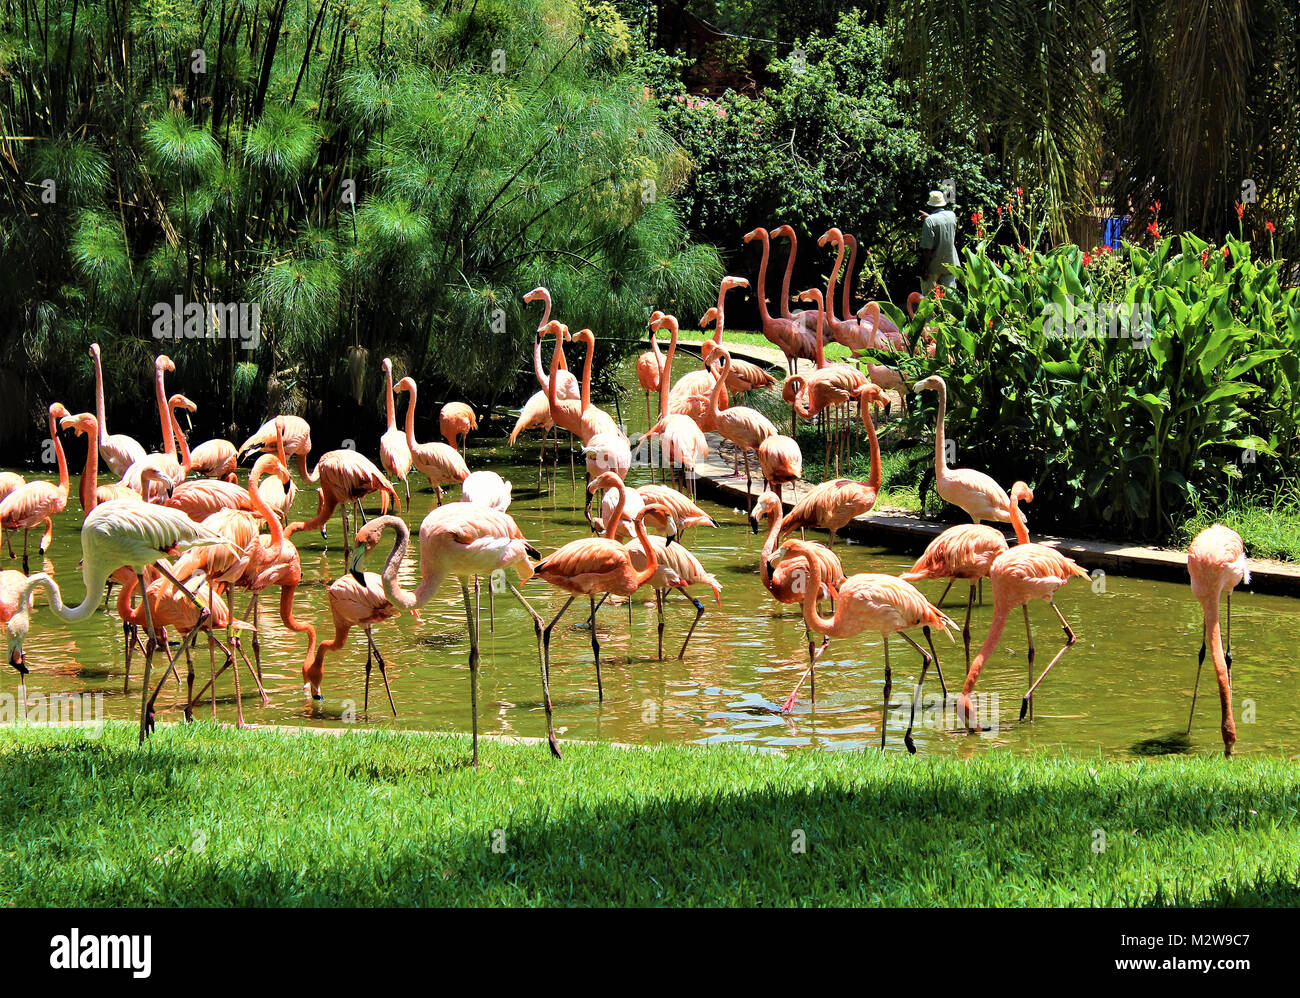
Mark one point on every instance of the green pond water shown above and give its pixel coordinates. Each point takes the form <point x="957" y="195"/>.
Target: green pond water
<point x="1124" y="689"/>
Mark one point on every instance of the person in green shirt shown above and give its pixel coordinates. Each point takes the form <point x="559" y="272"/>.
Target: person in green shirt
<point x="938" y="243"/>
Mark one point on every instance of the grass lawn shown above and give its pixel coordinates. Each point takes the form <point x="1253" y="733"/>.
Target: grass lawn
<point x="834" y="351"/>
<point x="1268" y="529"/>
<point x="210" y="816"/>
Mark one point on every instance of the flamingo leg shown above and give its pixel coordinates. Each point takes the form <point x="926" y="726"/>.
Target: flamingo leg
<point x="889" y="685"/>
<point x="595" y="647"/>
<point x="26" y="570"/>
<point x="699" y="612"/>
<point x="934" y="655"/>
<point x="944" y="595"/>
<point x="1200" y="661"/>
<point x="546" y="634"/>
<point x="659" y="610"/>
<point x="128" y="637"/>
<point x="189" y="681"/>
<point x="1227" y="637"/>
<point x="1069" y="643"/>
<point x="543" y="664"/>
<point x="916" y="697"/>
<point x="1029" y="636"/>
<point x="813" y="658"/>
<point x="965" y="630"/>
<point x="473" y="667"/>
<point x="146" y="718"/>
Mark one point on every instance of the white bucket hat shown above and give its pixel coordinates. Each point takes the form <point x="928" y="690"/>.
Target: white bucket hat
<point x="937" y="200"/>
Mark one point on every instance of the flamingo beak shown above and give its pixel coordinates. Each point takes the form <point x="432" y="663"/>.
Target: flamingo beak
<point x="16" y="660"/>
<point x="533" y="552"/>
<point x="354" y="566"/>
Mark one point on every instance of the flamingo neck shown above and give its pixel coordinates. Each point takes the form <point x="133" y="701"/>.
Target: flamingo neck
<point x="986" y="649"/>
<point x="92" y="575"/>
<point x="666" y="376"/>
<point x="830" y="285"/>
<point x="845" y="308"/>
<point x="586" y="373"/>
<point x="719" y="384"/>
<point x="59" y="456"/>
<point x="612" y="530"/>
<point x="940" y="451"/>
<point x="90" y="474"/>
<point x="291" y="622"/>
<point x="557" y="361"/>
<point x="388" y="393"/>
<point x="164" y="413"/>
<point x="392" y="589"/>
<point x="410" y="419"/>
<point x="99" y="398"/>
<point x="821" y="347"/>
<point x="811" y="615"/>
<point x="263" y="510"/>
<point x="876" y="476"/>
<point x="785" y="281"/>
<point x="651" y="556"/>
<point x="1018" y="521"/>
<point x="181" y="442"/>
<point x="314" y="474"/>
<point x="770" y="545"/>
<point x="762" y="278"/>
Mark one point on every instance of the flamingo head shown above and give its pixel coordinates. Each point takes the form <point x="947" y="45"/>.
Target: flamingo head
<point x="605" y="480"/>
<point x="163" y="363"/>
<point x="753" y="234"/>
<point x="786" y="231"/>
<point x="182" y="402"/>
<point x="655" y="316"/>
<point x="792" y="388"/>
<point x="665" y="321"/>
<point x="388" y="366"/>
<point x="932" y="383"/>
<point x="269" y="464"/>
<point x="762" y="508"/>
<point x="587" y="337"/>
<point x="870" y="393"/>
<point x="709" y="317"/>
<point x="812" y="295"/>
<point x="732" y="282"/>
<point x="1020" y="492"/>
<point x="83" y="422"/>
<point x="94" y="350"/>
<point x="831" y="235"/>
<point x="58" y="410"/>
<point x="537" y="294"/>
<point x="405" y="385"/>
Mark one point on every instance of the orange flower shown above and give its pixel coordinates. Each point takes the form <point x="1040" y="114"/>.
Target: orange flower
<point x="1153" y="229"/>
<point x="1241" y="208"/>
<point x="1269" y="226"/>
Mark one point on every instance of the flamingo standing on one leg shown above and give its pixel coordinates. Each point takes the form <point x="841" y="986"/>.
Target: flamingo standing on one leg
<point x="461" y="540"/>
<point x="1022" y="573"/>
<point x="833" y="505"/>
<point x="38" y="502"/>
<point x="394" y="452"/>
<point x="868" y="601"/>
<point x="972" y="491"/>
<point x="438" y="462"/>
<point x="1216" y="562"/>
<point x="118" y="450"/>
<point x="649" y="371"/>
<point x="967" y="552"/>
<point x="455" y="421"/>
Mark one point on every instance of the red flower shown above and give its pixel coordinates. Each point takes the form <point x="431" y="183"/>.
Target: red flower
<point x="999" y="211"/>
<point x="1205" y="257"/>
<point x="1020" y="192"/>
<point x="1156" y="207"/>
<point x="1023" y="250"/>
<point x="977" y="217"/>
<point x="990" y="323"/>
<point x="938" y="290"/>
<point x="1107" y="249"/>
<point x="1269" y="226"/>
<point x="1087" y="259"/>
<point x="1241" y="208"/>
<point x="1225" y="252"/>
<point x="1153" y="229"/>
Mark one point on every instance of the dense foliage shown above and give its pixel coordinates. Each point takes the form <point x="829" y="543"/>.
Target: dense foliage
<point x="383" y="179"/>
<point x="1132" y="387"/>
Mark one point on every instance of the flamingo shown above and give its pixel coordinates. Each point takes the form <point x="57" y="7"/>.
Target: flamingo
<point x="790" y="335"/>
<point x="455" y="421"/>
<point x="804" y="317"/>
<point x="966" y="551"/>
<point x="1216" y="563"/>
<point x="10" y="480"/>
<point x="818" y="385"/>
<point x="927" y="334"/>
<point x="438" y="462"/>
<point x="294" y="432"/>
<point x="165" y="462"/>
<point x="743" y="426"/>
<point x="566" y="383"/>
<point x="394" y="452"/>
<point x="346" y="477"/>
<point x="681" y="511"/>
<point x="461" y="540"/>
<point x="867" y="601"/>
<point x="832" y="505"/>
<point x="683" y="444"/>
<point x="782" y="461"/>
<point x="744" y="375"/>
<point x="972" y="491"/>
<point x="649" y="371"/>
<point x="846" y="327"/>
<point x="16" y="591"/>
<point x="356" y="600"/>
<point x="881" y="324"/>
<point x="786" y="581"/>
<point x="215" y="458"/>
<point x="596" y="565"/>
<point x="38" y="502"/>
<point x="280" y="495"/>
<point x="119" y="451"/>
<point x="135" y="535"/>
<point x="604" y="444"/>
<point x="199" y="498"/>
<point x="1022" y="573"/>
<point x="890" y="380"/>
<point x="273" y="560"/>
<point x="486" y="488"/>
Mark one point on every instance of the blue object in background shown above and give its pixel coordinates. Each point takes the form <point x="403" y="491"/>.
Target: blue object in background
<point x="1111" y="230"/>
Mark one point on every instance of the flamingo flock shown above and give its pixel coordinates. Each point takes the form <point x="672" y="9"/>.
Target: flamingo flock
<point x="183" y="548"/>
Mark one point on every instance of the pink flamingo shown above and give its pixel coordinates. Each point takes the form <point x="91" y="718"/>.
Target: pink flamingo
<point x="1216" y="563"/>
<point x="743" y="426"/>
<point x="38" y="502"/>
<point x="294" y="432"/>
<point x="804" y="317"/>
<point x="868" y="601"/>
<point x="1022" y="573"/>
<point x="460" y="540"/>
<point x="744" y="376"/>
<point x="566" y="382"/>
<point x="790" y="336"/>
<point x="118" y="450"/>
<point x="967" y="552"/>
<point x="166" y="462"/>
<point x="199" y="498"/>
<point x="455" y="421"/>
<point x="881" y="324"/>
<point x="438" y="462"/>
<point x="394" y="452"/>
<point x="215" y="458"/>
<point x="16" y="591"/>
<point x="356" y="600"/>
<point x="346" y="477"/>
<point x="832" y="505"/>
<point x="782" y="462"/>
<point x="683" y="444"/>
<point x="280" y="495"/>
<point x="10" y="480"/>
<point x="972" y="491"/>
<point x="133" y="535"/>
<point x="649" y="371"/>
<point x="594" y="565"/>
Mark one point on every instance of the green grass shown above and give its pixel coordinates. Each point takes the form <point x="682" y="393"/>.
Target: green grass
<point x="900" y="467"/>
<point x="209" y="816"/>
<point x="834" y="351"/>
<point x="1269" y="529"/>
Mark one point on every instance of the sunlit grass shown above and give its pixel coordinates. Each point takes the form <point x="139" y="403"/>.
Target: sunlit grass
<point x="1268" y="528"/>
<point x="207" y="816"/>
<point x="834" y="351"/>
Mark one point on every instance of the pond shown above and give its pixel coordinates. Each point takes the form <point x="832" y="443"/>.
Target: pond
<point x="1123" y="690"/>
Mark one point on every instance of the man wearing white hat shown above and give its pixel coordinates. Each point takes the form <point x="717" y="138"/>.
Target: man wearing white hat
<point x="938" y="243"/>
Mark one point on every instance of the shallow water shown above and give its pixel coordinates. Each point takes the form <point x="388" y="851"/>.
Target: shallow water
<point x="1124" y="688"/>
